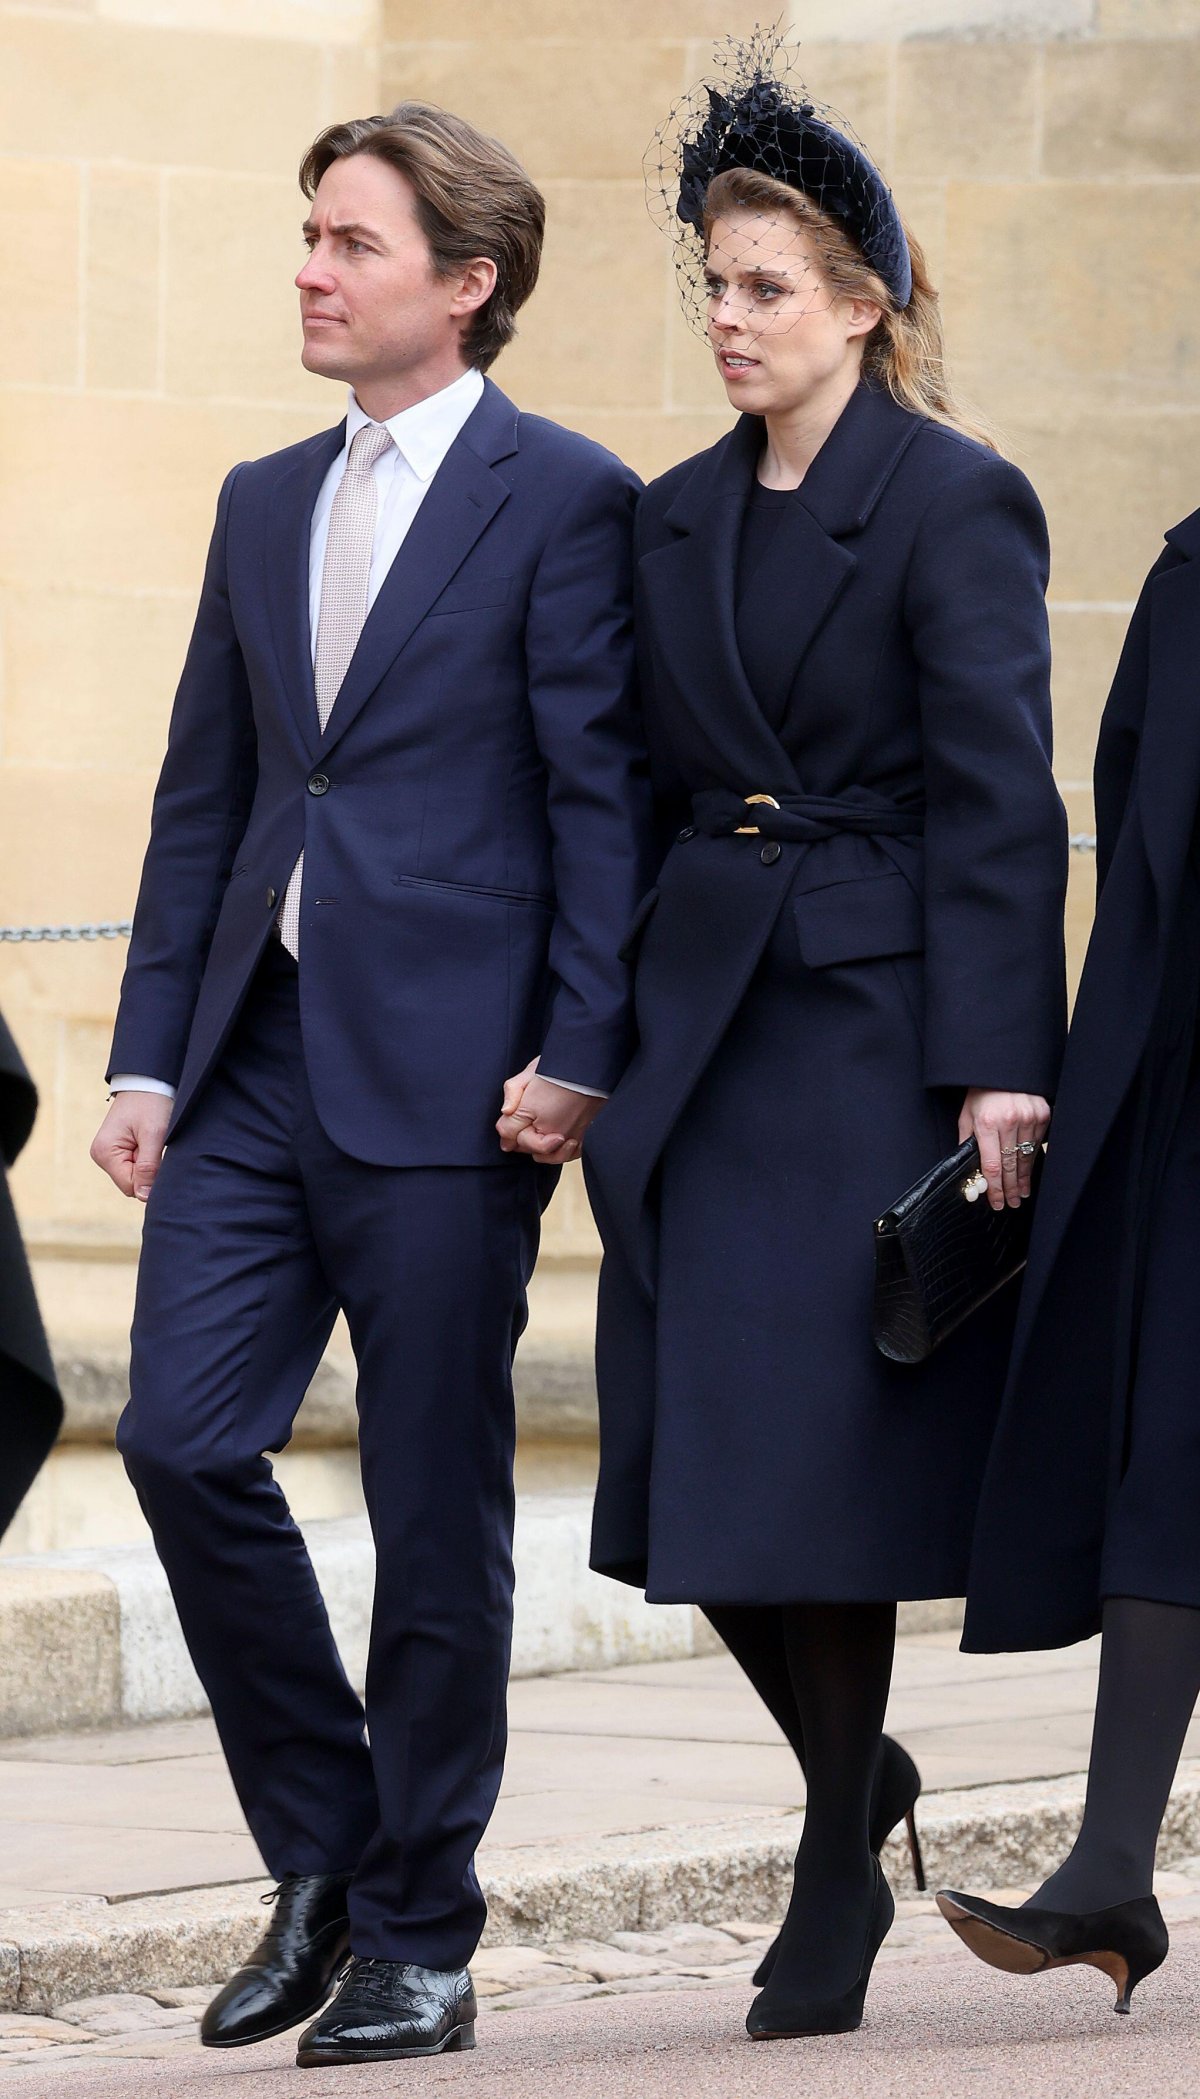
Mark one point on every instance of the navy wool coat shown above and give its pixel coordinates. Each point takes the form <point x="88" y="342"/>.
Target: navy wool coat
<point x="1061" y="1438"/>
<point x="813" y="1002"/>
<point x="474" y="817"/>
<point x="30" y="1407"/>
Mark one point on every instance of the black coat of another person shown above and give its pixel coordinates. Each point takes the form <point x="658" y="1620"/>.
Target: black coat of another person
<point x="30" y="1407"/>
<point x="1064" y="1442"/>
<point x="813" y="1003"/>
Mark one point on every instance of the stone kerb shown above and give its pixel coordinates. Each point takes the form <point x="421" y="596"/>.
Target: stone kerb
<point x="91" y="1637"/>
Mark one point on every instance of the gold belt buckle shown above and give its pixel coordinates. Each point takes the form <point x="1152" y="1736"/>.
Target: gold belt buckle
<point x="752" y="830"/>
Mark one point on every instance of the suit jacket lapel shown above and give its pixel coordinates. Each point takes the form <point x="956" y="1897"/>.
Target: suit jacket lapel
<point x="286" y="544"/>
<point x="462" y="500"/>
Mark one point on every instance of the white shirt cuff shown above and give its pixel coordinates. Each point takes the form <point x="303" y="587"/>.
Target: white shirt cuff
<point x="126" y="1082"/>
<point x="596" y="1093"/>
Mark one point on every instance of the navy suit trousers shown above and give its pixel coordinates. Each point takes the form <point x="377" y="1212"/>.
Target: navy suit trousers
<point x="257" y="1231"/>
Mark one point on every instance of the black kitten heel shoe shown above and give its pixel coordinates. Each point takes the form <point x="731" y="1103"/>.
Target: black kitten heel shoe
<point x="897" y="1791"/>
<point x="778" y="2015"/>
<point x="1127" y="1942"/>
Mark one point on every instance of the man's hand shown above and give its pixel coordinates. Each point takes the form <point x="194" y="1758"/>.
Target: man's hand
<point x="1002" y="1123"/>
<point x="128" y="1145"/>
<point x="547" y="1121"/>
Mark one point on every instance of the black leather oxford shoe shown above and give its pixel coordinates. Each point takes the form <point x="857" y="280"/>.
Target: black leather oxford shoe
<point x="293" y="1967"/>
<point x="387" y="2010"/>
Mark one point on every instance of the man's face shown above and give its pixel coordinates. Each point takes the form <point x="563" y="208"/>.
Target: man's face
<point x="373" y="309"/>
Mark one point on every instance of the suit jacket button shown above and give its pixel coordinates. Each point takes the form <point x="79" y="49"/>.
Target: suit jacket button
<point x="688" y="831"/>
<point x="319" y="784"/>
<point x="770" y="852"/>
<point x="272" y="899"/>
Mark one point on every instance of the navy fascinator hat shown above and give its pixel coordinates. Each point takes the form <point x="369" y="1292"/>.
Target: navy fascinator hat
<point x="754" y="117"/>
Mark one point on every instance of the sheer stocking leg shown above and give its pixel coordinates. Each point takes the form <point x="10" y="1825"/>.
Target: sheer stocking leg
<point x="1149" y="1683"/>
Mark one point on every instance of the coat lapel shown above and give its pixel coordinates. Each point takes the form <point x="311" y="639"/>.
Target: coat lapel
<point x="689" y="584"/>
<point x="287" y="540"/>
<point x="463" y="498"/>
<point x="1168" y="791"/>
<point x="834" y="503"/>
<point x="687" y="591"/>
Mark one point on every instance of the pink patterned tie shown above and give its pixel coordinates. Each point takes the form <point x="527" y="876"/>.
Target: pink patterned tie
<point x="344" y="580"/>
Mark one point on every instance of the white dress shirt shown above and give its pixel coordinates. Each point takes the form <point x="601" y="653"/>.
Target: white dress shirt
<point x="421" y="437"/>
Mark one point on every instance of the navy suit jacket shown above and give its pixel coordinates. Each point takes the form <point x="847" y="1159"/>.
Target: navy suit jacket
<point x="475" y="819"/>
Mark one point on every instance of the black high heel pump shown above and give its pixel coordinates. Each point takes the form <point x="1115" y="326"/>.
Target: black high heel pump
<point x="1126" y="1942"/>
<point x="896" y="1793"/>
<point x="776" y="2016"/>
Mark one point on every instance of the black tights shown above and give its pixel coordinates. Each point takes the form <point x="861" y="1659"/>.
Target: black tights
<point x="823" y="1670"/>
<point x="1149" y="1683"/>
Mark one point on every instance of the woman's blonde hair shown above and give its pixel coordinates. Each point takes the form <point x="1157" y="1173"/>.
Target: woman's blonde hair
<point x="906" y="351"/>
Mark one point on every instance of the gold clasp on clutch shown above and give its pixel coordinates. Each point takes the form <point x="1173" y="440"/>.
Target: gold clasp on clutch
<point x="975" y="1187"/>
<point x="752" y="830"/>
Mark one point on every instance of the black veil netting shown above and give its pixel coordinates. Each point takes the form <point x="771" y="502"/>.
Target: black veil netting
<point x="757" y="113"/>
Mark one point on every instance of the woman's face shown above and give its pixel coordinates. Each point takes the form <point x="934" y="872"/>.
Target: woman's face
<point x="778" y="332"/>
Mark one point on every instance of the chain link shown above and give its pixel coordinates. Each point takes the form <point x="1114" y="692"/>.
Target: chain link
<point x="107" y="929"/>
<point x="121" y="928"/>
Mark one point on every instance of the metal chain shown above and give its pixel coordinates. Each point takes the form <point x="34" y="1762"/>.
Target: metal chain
<point x="121" y="928"/>
<point x="108" y="929"/>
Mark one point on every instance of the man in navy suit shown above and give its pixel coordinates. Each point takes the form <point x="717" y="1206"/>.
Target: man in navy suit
<point x="399" y="834"/>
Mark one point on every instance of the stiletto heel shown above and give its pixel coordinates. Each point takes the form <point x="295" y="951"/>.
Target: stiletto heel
<point x="1126" y="1942"/>
<point x="897" y="1791"/>
<point x="776" y="2017"/>
<point x="914" y="1850"/>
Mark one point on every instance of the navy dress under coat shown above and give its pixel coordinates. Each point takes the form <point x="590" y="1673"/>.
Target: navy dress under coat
<point x="813" y="1002"/>
<point x="1093" y="1488"/>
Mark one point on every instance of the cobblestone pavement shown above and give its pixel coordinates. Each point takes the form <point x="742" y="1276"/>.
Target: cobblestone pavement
<point x="162" y="2026"/>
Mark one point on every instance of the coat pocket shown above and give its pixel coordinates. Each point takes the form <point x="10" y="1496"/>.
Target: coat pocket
<point x="641" y="918"/>
<point x="857" y="920"/>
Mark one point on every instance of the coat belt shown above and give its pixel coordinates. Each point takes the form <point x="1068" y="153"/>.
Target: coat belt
<point x="802" y="818"/>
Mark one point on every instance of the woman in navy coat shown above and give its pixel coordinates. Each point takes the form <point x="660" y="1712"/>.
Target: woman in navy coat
<point x="852" y="957"/>
<point x="1090" y="1515"/>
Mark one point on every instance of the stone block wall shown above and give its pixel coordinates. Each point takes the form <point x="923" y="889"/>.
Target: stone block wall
<point x="1046" y="151"/>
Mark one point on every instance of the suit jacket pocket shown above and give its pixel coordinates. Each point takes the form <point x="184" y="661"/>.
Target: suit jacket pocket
<point x="857" y="920"/>
<point x="641" y="918"/>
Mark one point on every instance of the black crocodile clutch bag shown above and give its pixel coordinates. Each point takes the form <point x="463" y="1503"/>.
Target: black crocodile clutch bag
<point x="940" y="1253"/>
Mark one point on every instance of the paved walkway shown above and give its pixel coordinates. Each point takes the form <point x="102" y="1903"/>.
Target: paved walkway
<point x="655" y="1753"/>
<point x="145" y="1810"/>
<point x="938" y="2026"/>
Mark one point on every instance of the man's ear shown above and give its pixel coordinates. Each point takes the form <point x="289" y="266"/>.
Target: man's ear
<point x="476" y="285"/>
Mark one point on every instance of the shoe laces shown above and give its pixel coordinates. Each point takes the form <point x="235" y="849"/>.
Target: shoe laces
<point x="372" y="1979"/>
<point x="273" y="1894"/>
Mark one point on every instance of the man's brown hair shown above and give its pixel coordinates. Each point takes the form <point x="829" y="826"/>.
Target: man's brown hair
<point x="473" y="198"/>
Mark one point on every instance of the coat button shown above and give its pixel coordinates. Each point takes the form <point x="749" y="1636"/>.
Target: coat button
<point x="272" y="899"/>
<point x="319" y="784"/>
<point x="688" y="831"/>
<point x="770" y="852"/>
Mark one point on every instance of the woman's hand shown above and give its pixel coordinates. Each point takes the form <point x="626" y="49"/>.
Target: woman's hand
<point x="1000" y="1123"/>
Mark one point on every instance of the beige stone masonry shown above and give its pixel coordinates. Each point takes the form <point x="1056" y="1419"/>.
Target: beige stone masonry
<point x="122" y="347"/>
<point x="112" y="91"/>
<point x="60" y="1650"/>
<point x="1116" y="111"/>
<point x="39" y="342"/>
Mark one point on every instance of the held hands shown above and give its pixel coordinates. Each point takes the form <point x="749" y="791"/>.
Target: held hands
<point x="547" y="1121"/>
<point x="128" y="1146"/>
<point x="999" y="1123"/>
